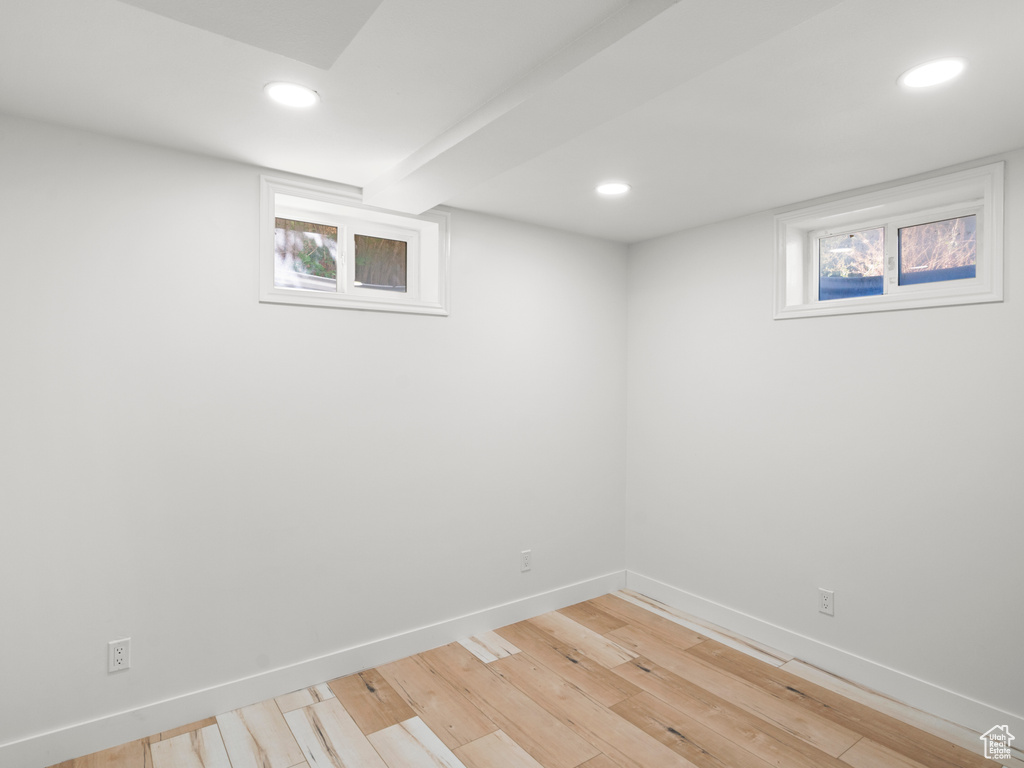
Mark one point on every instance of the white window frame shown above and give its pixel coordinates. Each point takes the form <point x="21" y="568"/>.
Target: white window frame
<point x="977" y="191"/>
<point x="427" y="253"/>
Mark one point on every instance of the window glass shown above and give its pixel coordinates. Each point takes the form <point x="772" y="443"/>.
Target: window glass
<point x="851" y="264"/>
<point x="381" y="263"/>
<point x="939" y="250"/>
<point x="305" y="255"/>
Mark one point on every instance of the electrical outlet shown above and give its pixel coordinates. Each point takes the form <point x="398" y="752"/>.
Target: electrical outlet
<point x="119" y="654"/>
<point x="826" y="602"/>
<point x="525" y="560"/>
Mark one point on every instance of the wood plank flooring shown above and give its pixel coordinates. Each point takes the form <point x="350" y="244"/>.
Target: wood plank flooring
<point x="621" y="681"/>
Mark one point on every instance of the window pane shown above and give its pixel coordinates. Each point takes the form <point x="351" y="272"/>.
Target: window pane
<point x="941" y="250"/>
<point x="305" y="255"/>
<point x="380" y="263"/>
<point x="851" y="265"/>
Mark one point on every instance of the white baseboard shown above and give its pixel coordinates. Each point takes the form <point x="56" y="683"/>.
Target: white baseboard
<point x="919" y="694"/>
<point x="45" y="749"/>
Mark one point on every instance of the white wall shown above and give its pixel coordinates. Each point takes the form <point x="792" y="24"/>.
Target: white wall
<point x="243" y="487"/>
<point x="240" y="487"/>
<point x="877" y="455"/>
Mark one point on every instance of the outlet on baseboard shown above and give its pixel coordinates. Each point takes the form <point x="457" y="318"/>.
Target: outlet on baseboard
<point x="119" y="654"/>
<point x="826" y="602"/>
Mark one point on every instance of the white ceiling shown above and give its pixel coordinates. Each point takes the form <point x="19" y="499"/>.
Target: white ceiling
<point x="709" y="109"/>
<point x="311" y="31"/>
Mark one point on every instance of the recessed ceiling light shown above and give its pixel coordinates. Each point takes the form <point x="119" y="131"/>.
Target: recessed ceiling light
<point x="613" y="188"/>
<point x="932" y="73"/>
<point x="292" y="95"/>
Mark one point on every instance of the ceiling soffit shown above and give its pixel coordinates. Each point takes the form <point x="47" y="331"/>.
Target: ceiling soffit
<point x="314" y="32"/>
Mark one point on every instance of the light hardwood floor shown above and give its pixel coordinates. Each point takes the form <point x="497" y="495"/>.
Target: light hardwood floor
<point x="617" y="681"/>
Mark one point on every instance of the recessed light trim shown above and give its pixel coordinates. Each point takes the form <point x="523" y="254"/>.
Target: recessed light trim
<point x="292" y="94"/>
<point x="932" y="73"/>
<point x="613" y="188"/>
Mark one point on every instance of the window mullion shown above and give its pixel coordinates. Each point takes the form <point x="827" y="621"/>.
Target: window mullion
<point x="814" y="273"/>
<point x="891" y="264"/>
<point x="350" y="258"/>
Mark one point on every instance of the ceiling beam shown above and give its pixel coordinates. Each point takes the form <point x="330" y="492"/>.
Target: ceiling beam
<point x="645" y="50"/>
<point x="505" y="130"/>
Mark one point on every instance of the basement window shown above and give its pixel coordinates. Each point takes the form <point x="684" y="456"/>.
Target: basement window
<point x="928" y="243"/>
<point x="323" y="248"/>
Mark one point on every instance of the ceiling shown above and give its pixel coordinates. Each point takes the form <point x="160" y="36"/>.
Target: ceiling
<point x="709" y="109"/>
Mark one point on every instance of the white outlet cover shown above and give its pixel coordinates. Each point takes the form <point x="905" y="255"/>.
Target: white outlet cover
<point x="119" y="654"/>
<point x="827" y="602"/>
<point x="525" y="560"/>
